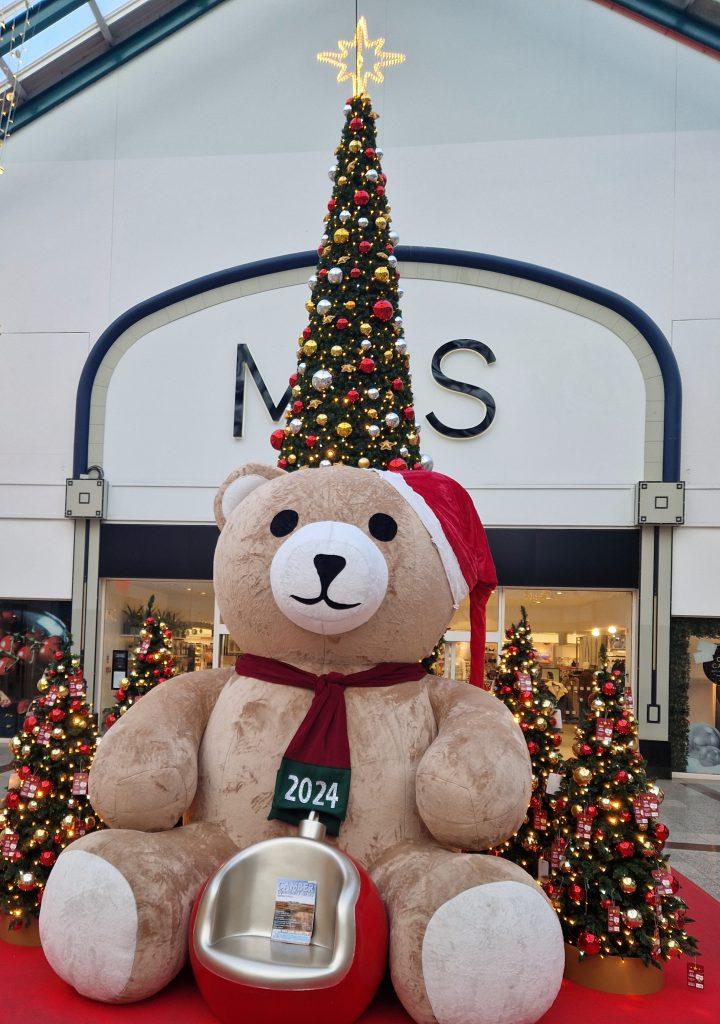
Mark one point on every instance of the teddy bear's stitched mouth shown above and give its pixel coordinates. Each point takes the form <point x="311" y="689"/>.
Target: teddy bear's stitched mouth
<point x="328" y="568"/>
<point x="336" y="605"/>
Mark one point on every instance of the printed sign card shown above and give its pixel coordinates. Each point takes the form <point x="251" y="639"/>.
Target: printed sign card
<point x="583" y="826"/>
<point x="294" y="916"/>
<point x="29" y="786"/>
<point x="543" y="868"/>
<point x="695" y="975"/>
<point x="76" y="688"/>
<point x="44" y="735"/>
<point x="51" y="697"/>
<point x="556" y="720"/>
<point x="650" y="805"/>
<point x="10" y="841"/>
<point x="557" y="851"/>
<point x="603" y="729"/>
<point x="628" y="697"/>
<point x="639" y="811"/>
<point x="525" y="682"/>
<point x="540" y="819"/>
<point x="613" y="912"/>
<point x="663" y="882"/>
<point x="80" y="783"/>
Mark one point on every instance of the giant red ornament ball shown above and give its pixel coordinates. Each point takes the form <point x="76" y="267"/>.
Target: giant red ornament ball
<point x="625" y="849"/>
<point x="397" y="465"/>
<point x="361" y="197"/>
<point x="588" y="943"/>
<point x="276" y="439"/>
<point x="356" y="124"/>
<point x="383" y="310"/>
<point x="366" y="365"/>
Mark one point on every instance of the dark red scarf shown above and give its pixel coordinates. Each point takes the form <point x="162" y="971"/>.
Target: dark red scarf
<point x="314" y="773"/>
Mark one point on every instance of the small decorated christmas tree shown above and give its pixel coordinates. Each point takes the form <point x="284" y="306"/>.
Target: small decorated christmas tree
<point x="610" y="881"/>
<point x="520" y="687"/>
<point x="46" y="805"/>
<point x="351" y="393"/>
<point x="152" y="663"/>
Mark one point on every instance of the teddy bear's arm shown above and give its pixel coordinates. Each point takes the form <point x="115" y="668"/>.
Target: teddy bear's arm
<point x="145" y="771"/>
<point x="473" y="782"/>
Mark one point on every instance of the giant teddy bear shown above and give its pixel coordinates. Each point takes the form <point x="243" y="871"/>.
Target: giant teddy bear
<point x="333" y="570"/>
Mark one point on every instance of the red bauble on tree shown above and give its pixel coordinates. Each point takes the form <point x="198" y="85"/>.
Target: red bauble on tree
<point x="383" y="310"/>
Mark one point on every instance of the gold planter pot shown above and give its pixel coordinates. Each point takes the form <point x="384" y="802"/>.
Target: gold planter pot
<point x="624" y="977"/>
<point x="26" y="936"/>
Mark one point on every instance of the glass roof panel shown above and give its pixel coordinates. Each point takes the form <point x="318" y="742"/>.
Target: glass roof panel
<point x="108" y="7"/>
<point x="53" y="36"/>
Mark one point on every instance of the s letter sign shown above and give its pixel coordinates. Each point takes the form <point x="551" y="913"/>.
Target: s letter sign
<point x="245" y="361"/>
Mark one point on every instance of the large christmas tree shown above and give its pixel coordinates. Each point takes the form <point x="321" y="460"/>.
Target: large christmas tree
<point x="46" y="805"/>
<point x="351" y="394"/>
<point x="152" y="663"/>
<point x="610" y="881"/>
<point x="520" y="687"/>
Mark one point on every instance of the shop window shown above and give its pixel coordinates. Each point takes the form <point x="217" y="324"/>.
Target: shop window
<point x="187" y="606"/>
<point x="24" y="628"/>
<point x="703" y="755"/>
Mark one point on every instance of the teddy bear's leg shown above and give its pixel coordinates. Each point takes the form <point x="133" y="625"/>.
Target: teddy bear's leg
<point x="114" y="915"/>
<point x="473" y="940"/>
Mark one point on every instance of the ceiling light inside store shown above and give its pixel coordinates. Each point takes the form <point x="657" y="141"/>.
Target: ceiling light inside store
<point x="596" y="631"/>
<point x="612" y="630"/>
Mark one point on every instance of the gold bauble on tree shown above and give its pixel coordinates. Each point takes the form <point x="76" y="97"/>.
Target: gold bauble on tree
<point x="321" y="419"/>
<point x="341" y="236"/>
<point x="381" y="274"/>
<point x="336" y="351"/>
<point x="582" y="775"/>
<point x="364" y="463"/>
<point x="380" y="223"/>
<point x="365" y="330"/>
<point x="310" y="347"/>
<point x="343" y="429"/>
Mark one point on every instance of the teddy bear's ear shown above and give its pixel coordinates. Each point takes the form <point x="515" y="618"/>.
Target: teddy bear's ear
<point x="238" y="485"/>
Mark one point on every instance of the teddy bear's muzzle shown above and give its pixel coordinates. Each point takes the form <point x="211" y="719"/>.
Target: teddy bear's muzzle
<point x="328" y="577"/>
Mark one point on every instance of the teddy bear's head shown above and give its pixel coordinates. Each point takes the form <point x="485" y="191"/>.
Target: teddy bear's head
<point x="327" y="569"/>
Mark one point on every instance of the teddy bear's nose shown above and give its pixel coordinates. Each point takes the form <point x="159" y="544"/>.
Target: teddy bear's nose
<point x="328" y="567"/>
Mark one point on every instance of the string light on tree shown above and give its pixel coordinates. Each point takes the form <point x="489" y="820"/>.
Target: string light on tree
<point x="46" y="805"/>
<point x="609" y="880"/>
<point x="351" y="397"/>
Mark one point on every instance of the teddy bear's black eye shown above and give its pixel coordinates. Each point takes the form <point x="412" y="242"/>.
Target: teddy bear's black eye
<point x="284" y="523"/>
<point x="382" y="527"/>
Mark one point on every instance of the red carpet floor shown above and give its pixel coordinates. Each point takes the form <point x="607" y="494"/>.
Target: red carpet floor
<point x="31" y="994"/>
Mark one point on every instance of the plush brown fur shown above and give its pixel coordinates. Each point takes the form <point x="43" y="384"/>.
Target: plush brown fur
<point x="433" y="762"/>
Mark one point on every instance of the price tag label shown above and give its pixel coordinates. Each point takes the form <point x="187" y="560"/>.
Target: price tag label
<point x="557" y="851"/>
<point x="650" y="805"/>
<point x="613" y="918"/>
<point x="663" y="882"/>
<point x="695" y="975"/>
<point x="603" y="729"/>
<point x="525" y="682"/>
<point x="30" y="786"/>
<point x="51" y="697"/>
<point x="540" y="819"/>
<point x="9" y="843"/>
<point x="639" y="811"/>
<point x="628" y="697"/>
<point x="76" y="688"/>
<point x="44" y="735"/>
<point x="583" y="826"/>
<point x="543" y="868"/>
<point x="80" y="783"/>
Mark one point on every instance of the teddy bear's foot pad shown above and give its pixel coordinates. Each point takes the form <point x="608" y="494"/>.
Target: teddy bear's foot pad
<point x="493" y="955"/>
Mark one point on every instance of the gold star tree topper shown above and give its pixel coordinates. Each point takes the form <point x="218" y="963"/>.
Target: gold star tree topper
<point x="368" y="52"/>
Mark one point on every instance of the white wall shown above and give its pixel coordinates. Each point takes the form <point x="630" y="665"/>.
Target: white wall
<point x="563" y="134"/>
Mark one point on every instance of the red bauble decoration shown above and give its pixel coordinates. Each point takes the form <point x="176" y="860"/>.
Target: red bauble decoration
<point x="557" y="739"/>
<point x="356" y="124"/>
<point x="29" y="723"/>
<point x="576" y="893"/>
<point x="621" y="777"/>
<point x="366" y="365"/>
<point x="27" y="886"/>
<point x="297" y="407"/>
<point x="307" y="331"/>
<point x="591" y="811"/>
<point x="609" y="689"/>
<point x="282" y="463"/>
<point x="276" y="439"/>
<point x="322" y="272"/>
<point x="365" y="247"/>
<point x="369" y="153"/>
<point x="625" y="849"/>
<point x="625" y="817"/>
<point x="379" y="190"/>
<point x="331" y="205"/>
<point x="311" y="440"/>
<point x="12" y="800"/>
<point x="56" y="715"/>
<point x="622" y="727"/>
<point x="47" y="858"/>
<point x="355" y="273"/>
<point x="361" y="197"/>
<point x="649" y="897"/>
<point x="23" y="771"/>
<point x="84" y="748"/>
<point x="588" y="943"/>
<point x="353" y="396"/>
<point x="110" y="720"/>
<point x="661" y="832"/>
<point x="383" y="310"/>
<point x="341" y="324"/>
<point x="397" y="384"/>
<point x="586" y="750"/>
<point x="505" y="690"/>
<point x="58" y="655"/>
<point x="397" y="465"/>
<point x="409" y="413"/>
<point x="533" y="748"/>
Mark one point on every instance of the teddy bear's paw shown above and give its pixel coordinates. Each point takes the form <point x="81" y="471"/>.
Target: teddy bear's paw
<point x="493" y="954"/>
<point x="88" y="925"/>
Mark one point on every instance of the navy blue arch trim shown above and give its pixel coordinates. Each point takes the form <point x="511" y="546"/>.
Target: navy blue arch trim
<point x="409" y="254"/>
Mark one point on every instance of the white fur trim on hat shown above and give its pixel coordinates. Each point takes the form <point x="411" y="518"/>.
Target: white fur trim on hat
<point x="458" y="585"/>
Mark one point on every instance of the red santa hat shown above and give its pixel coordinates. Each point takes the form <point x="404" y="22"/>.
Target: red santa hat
<point x="448" y="513"/>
